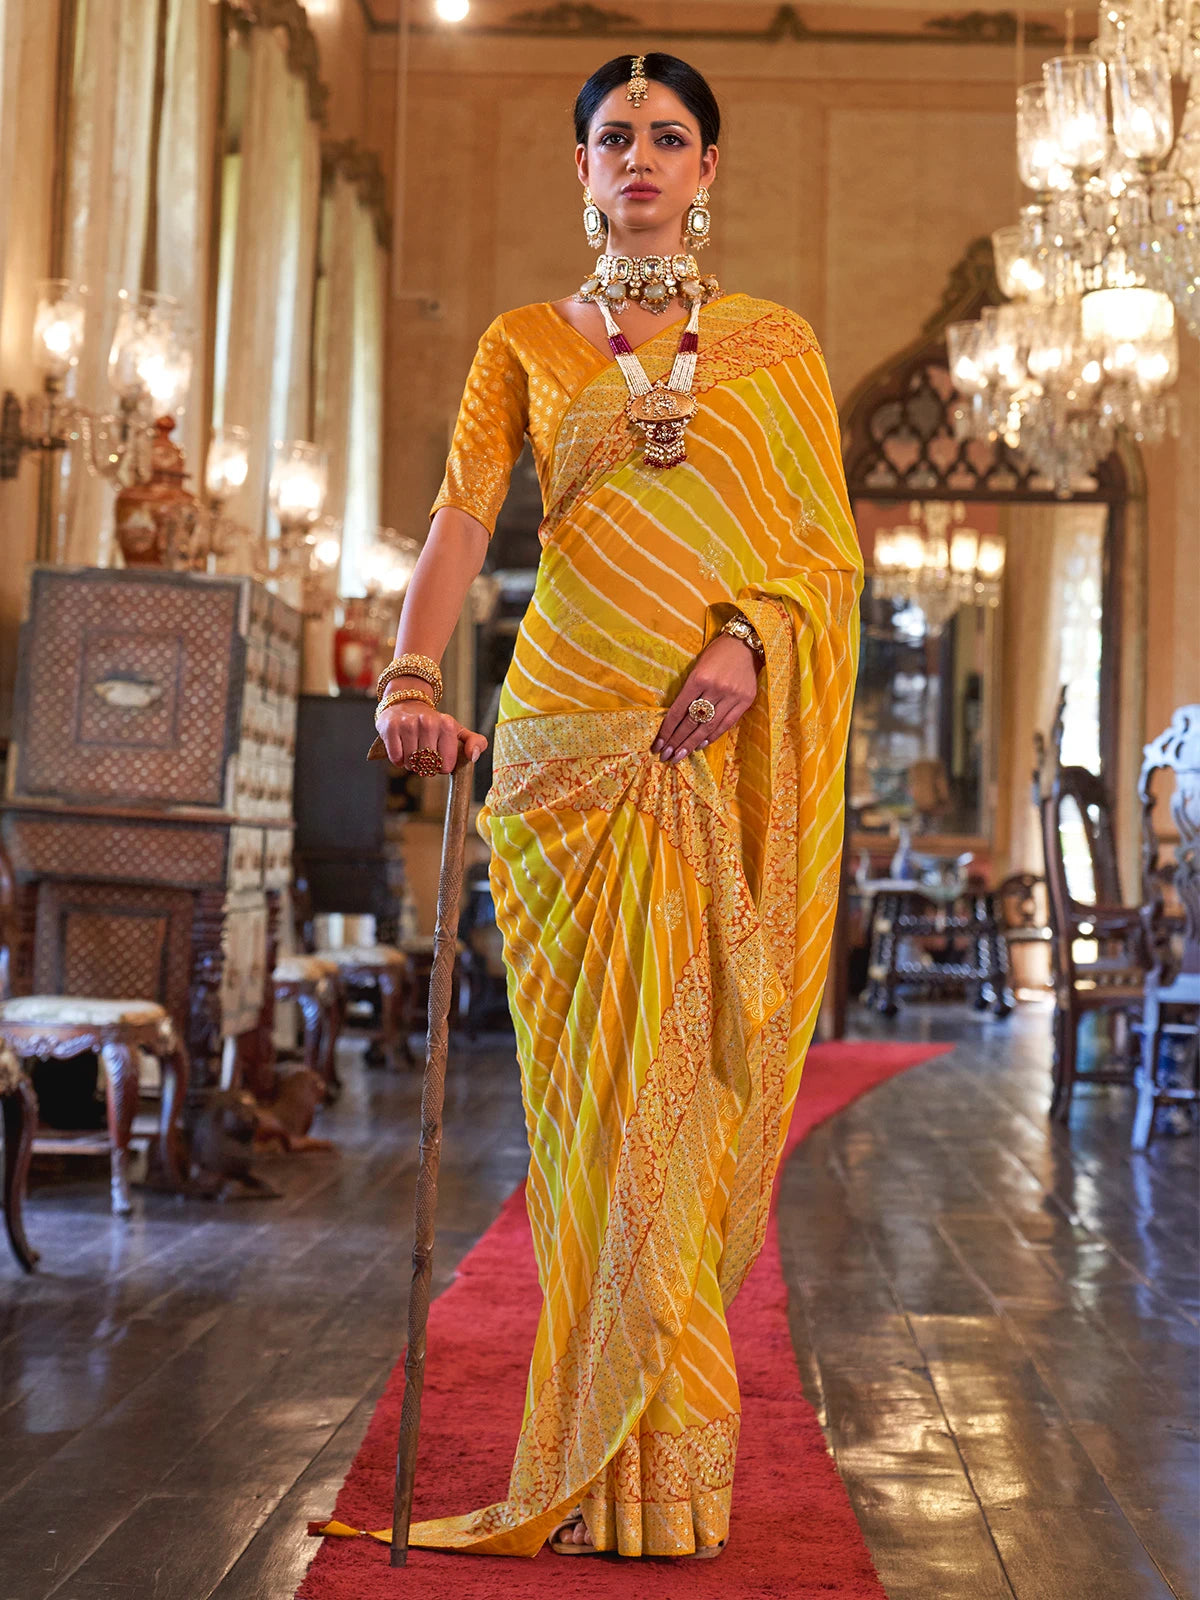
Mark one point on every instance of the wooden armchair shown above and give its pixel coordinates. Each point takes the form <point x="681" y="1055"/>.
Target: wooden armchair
<point x="1172" y="985"/>
<point x="53" y="1027"/>
<point x="1076" y="823"/>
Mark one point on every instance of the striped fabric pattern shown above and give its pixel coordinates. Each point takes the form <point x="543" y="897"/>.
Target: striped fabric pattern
<point x="666" y="928"/>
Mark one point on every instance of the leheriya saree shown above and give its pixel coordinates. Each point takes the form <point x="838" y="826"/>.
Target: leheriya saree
<point x="666" y="928"/>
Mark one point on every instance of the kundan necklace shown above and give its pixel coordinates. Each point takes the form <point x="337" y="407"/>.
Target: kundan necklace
<point x="650" y="281"/>
<point x="661" y="410"/>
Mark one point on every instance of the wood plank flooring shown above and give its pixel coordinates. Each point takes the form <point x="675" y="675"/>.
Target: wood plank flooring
<point x="998" y="1324"/>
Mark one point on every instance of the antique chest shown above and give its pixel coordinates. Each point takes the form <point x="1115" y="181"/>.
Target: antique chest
<point x="149" y="792"/>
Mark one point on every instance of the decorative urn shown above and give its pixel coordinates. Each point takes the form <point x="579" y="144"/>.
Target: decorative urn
<point x="144" y="511"/>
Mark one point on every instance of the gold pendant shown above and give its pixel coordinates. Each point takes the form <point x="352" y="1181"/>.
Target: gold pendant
<point x="662" y="415"/>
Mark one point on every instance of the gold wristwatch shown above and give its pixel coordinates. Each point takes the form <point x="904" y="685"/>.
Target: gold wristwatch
<point x="741" y="628"/>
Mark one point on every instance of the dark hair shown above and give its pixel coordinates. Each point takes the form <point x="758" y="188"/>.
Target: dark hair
<point x="670" y="71"/>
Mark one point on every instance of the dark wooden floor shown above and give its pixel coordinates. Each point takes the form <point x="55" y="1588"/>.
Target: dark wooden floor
<point x="998" y="1325"/>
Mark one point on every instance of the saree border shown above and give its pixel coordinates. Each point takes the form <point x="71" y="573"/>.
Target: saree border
<point x="762" y="334"/>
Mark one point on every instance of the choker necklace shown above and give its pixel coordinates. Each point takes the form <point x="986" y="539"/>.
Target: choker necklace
<point x="649" y="281"/>
<point x="661" y="410"/>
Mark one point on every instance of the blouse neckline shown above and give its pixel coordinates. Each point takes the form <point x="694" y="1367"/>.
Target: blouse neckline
<point x="608" y="360"/>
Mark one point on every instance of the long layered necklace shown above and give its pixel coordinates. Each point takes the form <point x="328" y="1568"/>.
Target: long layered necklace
<point x="661" y="410"/>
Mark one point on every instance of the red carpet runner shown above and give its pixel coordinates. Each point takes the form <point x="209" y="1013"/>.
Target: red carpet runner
<point x="793" y="1535"/>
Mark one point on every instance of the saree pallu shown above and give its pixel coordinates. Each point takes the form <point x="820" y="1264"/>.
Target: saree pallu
<point x="666" y="927"/>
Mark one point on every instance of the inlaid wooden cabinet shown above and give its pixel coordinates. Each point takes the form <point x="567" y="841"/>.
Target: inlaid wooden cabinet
<point x="148" y="811"/>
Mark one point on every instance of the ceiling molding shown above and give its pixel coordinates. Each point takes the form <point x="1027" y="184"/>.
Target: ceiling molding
<point x="582" y="19"/>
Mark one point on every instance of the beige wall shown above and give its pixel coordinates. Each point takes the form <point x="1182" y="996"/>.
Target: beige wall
<point x="341" y="34"/>
<point x="852" y="178"/>
<point x="25" y="259"/>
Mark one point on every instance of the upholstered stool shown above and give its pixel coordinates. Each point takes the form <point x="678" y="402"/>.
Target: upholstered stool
<point x="385" y="969"/>
<point x="54" y="1026"/>
<point x="19" y="1106"/>
<point x="313" y="983"/>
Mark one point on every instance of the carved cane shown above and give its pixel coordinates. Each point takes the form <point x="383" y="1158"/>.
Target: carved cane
<point x="441" y="982"/>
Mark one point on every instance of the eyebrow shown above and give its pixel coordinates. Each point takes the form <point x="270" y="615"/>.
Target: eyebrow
<point x="682" y="125"/>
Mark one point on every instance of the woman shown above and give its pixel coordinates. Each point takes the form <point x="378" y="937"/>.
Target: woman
<point x="666" y="812"/>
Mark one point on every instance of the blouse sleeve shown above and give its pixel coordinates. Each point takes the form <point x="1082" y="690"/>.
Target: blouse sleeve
<point x="489" y="432"/>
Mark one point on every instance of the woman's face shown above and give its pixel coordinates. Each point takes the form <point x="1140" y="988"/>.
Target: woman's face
<point x="644" y="163"/>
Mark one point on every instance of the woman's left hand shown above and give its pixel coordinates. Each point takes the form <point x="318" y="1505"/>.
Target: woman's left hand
<point x="724" y="674"/>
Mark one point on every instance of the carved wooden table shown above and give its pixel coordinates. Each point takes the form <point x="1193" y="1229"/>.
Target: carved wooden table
<point x="148" y="813"/>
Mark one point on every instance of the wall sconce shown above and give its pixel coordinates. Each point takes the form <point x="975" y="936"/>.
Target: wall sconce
<point x="228" y="464"/>
<point x="149" y="367"/>
<point x="310" y="545"/>
<point x="299" y="478"/>
<point x="388" y="564"/>
<point x="46" y="422"/>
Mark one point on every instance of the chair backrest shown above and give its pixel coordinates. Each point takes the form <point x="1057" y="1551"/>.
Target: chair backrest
<point x="1073" y="794"/>
<point x="1177" y="750"/>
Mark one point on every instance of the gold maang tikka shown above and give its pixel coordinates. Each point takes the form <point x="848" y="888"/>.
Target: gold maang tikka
<point x="638" y="86"/>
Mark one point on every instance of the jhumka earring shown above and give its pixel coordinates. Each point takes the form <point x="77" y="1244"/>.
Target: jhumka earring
<point x="699" y="222"/>
<point x="593" y="222"/>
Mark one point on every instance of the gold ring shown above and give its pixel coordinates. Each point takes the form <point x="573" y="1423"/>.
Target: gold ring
<point x="426" y="763"/>
<point x="702" y="710"/>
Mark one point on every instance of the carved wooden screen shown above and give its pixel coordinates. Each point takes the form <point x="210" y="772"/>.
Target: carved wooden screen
<point x="898" y="427"/>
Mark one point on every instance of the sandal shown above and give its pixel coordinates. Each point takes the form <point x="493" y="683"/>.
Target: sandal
<point x="568" y="1547"/>
<point x="706" y="1552"/>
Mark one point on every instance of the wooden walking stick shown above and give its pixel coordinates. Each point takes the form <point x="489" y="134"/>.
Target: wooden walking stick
<point x="441" y="981"/>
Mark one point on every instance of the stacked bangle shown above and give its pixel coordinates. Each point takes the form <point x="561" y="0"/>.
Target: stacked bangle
<point x="412" y="666"/>
<point x="397" y="696"/>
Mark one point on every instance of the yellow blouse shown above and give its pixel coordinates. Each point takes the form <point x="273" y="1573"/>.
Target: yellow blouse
<point x="529" y="367"/>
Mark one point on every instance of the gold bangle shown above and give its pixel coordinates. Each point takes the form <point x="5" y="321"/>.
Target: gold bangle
<point x="740" y="627"/>
<point x="411" y="665"/>
<point x="397" y="697"/>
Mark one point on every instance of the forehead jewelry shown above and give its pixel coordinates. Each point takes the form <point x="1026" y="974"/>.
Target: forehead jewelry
<point x="638" y="87"/>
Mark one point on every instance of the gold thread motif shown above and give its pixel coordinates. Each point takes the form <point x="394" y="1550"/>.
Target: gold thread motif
<point x="670" y="909"/>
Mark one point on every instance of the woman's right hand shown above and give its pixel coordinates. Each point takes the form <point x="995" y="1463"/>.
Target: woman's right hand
<point x="412" y="725"/>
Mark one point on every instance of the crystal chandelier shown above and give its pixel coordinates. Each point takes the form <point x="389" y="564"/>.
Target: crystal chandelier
<point x="1098" y="266"/>
<point x="936" y="563"/>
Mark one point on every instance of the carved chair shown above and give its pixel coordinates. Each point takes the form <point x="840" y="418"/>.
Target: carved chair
<point x="1172" y="985"/>
<point x="1111" y="983"/>
<point x="383" y="969"/>
<point x="18" y="1103"/>
<point x="314" y="984"/>
<point x="51" y="1027"/>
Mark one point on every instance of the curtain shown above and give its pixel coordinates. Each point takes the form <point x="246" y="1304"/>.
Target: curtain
<point x="184" y="195"/>
<point x="269" y="235"/>
<point x="349" y="369"/>
<point x="107" y="204"/>
<point x="1052" y="621"/>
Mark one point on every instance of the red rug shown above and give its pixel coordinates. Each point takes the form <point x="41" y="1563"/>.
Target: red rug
<point x="793" y="1535"/>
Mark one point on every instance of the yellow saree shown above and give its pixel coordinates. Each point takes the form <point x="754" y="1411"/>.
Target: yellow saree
<point x="666" y="928"/>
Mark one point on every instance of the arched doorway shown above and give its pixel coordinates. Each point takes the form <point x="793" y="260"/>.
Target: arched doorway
<point x="950" y="713"/>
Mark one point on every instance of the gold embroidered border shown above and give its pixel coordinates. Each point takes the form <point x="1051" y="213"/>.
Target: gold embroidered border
<point x="666" y="1494"/>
